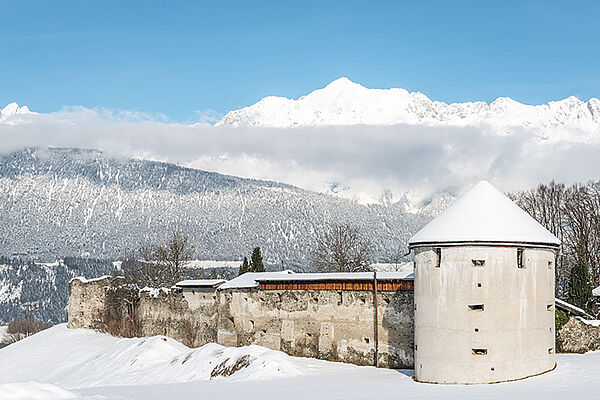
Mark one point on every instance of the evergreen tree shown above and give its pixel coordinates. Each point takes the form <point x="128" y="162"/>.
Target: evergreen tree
<point x="580" y="286"/>
<point x="244" y="267"/>
<point x="256" y="261"/>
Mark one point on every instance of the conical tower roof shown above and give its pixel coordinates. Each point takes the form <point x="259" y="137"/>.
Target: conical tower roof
<point x="484" y="215"/>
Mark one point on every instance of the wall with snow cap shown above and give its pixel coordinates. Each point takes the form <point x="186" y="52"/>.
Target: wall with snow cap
<point x="479" y="318"/>
<point x="332" y="325"/>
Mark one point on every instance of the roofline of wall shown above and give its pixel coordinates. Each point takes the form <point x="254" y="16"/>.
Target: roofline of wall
<point x="552" y="246"/>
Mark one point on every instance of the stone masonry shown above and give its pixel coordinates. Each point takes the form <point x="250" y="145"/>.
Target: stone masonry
<point x="335" y="325"/>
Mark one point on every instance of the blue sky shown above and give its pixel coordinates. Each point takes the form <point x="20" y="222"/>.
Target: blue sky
<point x="181" y="58"/>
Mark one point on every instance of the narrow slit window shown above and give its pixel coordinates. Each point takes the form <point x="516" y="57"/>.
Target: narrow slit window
<point x="520" y="263"/>
<point x="550" y="264"/>
<point x="479" y="352"/>
<point x="478" y="263"/>
<point x="550" y="307"/>
<point x="550" y="350"/>
<point x="476" y="307"/>
<point x="438" y="257"/>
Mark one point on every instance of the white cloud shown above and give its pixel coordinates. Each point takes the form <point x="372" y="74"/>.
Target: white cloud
<point x="367" y="159"/>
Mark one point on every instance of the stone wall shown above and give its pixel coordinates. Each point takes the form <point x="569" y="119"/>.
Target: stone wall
<point x="578" y="337"/>
<point x="328" y="324"/>
<point x="188" y="318"/>
<point x="87" y="302"/>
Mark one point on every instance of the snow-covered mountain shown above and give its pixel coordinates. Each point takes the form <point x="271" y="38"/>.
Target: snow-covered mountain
<point x="65" y="202"/>
<point x="11" y="110"/>
<point x="344" y="102"/>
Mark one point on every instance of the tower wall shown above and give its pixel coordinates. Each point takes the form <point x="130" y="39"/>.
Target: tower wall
<point x="512" y="337"/>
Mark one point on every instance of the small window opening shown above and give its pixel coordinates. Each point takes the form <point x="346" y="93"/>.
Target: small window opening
<point x="476" y="307"/>
<point x="438" y="257"/>
<point x="479" y="284"/>
<point x="308" y="334"/>
<point x="366" y="340"/>
<point x="478" y="263"/>
<point x="264" y="331"/>
<point x="476" y="329"/>
<point x="416" y="347"/>
<point x="520" y="263"/>
<point x="550" y="350"/>
<point x="479" y="352"/>
<point x="492" y="368"/>
<point x="549" y="307"/>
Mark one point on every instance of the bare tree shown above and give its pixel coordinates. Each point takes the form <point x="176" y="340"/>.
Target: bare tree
<point x="174" y="254"/>
<point x="573" y="215"/>
<point x="342" y="249"/>
<point x="23" y="327"/>
<point x="157" y="266"/>
<point x="142" y="267"/>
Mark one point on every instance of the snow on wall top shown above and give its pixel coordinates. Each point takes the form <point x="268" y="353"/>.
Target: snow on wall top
<point x="339" y="276"/>
<point x="200" y="283"/>
<point x="484" y="214"/>
<point x="250" y="279"/>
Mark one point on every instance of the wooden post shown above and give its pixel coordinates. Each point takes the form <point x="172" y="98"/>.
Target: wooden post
<point x="375" y="328"/>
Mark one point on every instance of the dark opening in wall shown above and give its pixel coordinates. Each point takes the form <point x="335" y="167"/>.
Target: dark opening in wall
<point x="438" y="257"/>
<point x="366" y="340"/>
<point x="549" y="307"/>
<point x="479" y="284"/>
<point x="478" y="263"/>
<point x="520" y="263"/>
<point x="550" y="350"/>
<point x="550" y="264"/>
<point x="476" y="329"/>
<point x="479" y="352"/>
<point x="476" y="307"/>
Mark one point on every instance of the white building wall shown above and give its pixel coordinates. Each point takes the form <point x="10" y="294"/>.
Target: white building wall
<point x="516" y="326"/>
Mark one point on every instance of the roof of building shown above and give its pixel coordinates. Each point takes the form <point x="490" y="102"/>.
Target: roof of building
<point x="572" y="309"/>
<point x="198" y="283"/>
<point x="338" y="276"/>
<point x="249" y="279"/>
<point x="484" y="215"/>
<point x="596" y="292"/>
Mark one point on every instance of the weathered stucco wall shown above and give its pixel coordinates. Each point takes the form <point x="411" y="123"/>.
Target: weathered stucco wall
<point x="327" y="324"/>
<point x="479" y="317"/>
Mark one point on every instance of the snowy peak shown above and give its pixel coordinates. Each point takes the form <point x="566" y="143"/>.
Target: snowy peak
<point x="11" y="110"/>
<point x="343" y="102"/>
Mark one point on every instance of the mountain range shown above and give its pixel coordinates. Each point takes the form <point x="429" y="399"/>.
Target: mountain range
<point x="72" y="202"/>
<point x="344" y="102"/>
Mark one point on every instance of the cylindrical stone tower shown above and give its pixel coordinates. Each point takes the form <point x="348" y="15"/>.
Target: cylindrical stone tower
<point x="484" y="292"/>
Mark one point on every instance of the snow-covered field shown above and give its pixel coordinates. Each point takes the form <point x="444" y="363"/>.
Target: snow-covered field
<point x="59" y="363"/>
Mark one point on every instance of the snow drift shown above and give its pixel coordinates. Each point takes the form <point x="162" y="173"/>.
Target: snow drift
<point x="78" y="358"/>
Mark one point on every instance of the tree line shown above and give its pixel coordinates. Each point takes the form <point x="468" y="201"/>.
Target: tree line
<point x="571" y="213"/>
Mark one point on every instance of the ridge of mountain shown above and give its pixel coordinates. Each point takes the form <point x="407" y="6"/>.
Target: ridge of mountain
<point x="343" y="102"/>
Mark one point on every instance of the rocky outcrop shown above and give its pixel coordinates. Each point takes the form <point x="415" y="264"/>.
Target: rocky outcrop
<point x="578" y="337"/>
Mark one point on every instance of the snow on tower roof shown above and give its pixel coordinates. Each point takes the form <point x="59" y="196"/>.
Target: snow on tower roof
<point x="484" y="215"/>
